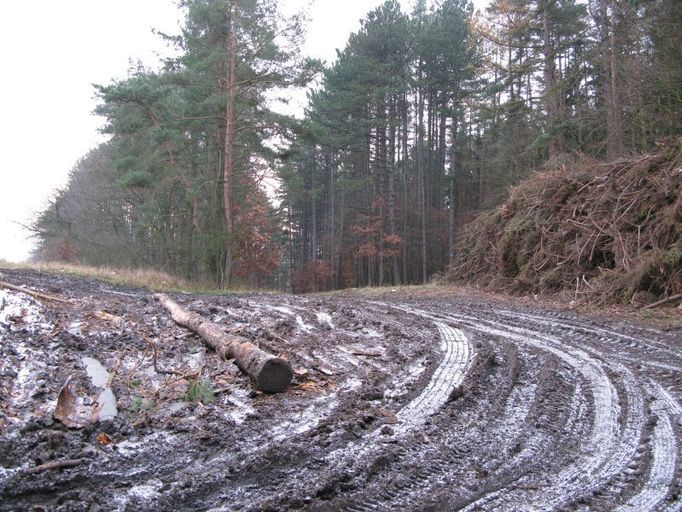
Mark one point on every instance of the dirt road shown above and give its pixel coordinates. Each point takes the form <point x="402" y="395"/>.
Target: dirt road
<point x="422" y="403"/>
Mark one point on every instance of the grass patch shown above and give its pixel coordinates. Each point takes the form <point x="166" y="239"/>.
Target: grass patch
<point x="139" y="404"/>
<point x="200" y="391"/>
<point x="139" y="277"/>
<point x="142" y="277"/>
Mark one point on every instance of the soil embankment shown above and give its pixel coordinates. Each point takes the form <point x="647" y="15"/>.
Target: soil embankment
<point x="603" y="233"/>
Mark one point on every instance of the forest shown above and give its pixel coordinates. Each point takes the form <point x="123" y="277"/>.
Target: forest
<point x="423" y="121"/>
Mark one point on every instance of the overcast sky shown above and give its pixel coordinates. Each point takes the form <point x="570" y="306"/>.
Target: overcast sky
<point x="53" y="51"/>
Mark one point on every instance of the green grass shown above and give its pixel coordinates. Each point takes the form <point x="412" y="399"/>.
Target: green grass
<point x="200" y="391"/>
<point x="139" y="404"/>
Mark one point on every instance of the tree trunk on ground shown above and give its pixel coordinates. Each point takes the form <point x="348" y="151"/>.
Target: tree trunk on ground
<point x="268" y="373"/>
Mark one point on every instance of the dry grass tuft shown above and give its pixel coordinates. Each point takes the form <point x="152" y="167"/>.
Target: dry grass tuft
<point x="147" y="278"/>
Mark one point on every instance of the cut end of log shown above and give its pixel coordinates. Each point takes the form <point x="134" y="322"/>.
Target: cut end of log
<point x="274" y="376"/>
<point x="268" y="373"/>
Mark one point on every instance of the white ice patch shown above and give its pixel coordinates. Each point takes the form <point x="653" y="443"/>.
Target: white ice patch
<point x="306" y="327"/>
<point x="282" y="309"/>
<point x="324" y="319"/>
<point x="100" y="378"/>
<point x="18" y="305"/>
<point x="243" y="409"/>
<point x="147" y="490"/>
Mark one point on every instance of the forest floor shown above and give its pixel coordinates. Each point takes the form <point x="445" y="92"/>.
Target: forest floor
<point x="405" y="399"/>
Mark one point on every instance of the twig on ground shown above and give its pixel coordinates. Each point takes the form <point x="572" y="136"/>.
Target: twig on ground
<point x="56" y="464"/>
<point x="152" y="344"/>
<point x="672" y="298"/>
<point x="33" y="293"/>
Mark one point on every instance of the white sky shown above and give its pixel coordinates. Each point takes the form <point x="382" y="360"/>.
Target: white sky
<point x="52" y="53"/>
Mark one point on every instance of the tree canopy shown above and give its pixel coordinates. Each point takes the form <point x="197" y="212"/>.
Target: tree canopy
<point x="423" y="120"/>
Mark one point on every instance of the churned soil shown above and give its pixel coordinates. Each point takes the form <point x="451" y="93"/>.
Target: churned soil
<point x="401" y="400"/>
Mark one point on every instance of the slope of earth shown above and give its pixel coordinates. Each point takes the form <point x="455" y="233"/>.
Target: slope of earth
<point x="399" y="403"/>
<point x="605" y="233"/>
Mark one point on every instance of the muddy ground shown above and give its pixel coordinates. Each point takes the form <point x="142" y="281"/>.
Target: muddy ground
<point x="398" y="403"/>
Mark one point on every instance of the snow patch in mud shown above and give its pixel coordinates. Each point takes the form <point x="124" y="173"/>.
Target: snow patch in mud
<point x="242" y="406"/>
<point x="146" y="491"/>
<point x="20" y="306"/>
<point x="194" y="361"/>
<point x="100" y="378"/>
<point x="75" y="328"/>
<point x="29" y="363"/>
<point x="305" y="420"/>
<point x="310" y="417"/>
<point x="7" y="473"/>
<point x="400" y="387"/>
<point x="325" y="319"/>
<point x="130" y="446"/>
<point x="280" y="309"/>
<point x="371" y="333"/>
<point x="351" y="384"/>
<point x="25" y="371"/>
<point x="306" y="327"/>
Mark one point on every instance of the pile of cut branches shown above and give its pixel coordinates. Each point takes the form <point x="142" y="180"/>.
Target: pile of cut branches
<point x="606" y="232"/>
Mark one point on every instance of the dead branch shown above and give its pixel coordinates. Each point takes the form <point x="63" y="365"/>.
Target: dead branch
<point x="269" y="373"/>
<point x="32" y="293"/>
<point x="672" y="298"/>
<point x="152" y="345"/>
<point x="56" y="464"/>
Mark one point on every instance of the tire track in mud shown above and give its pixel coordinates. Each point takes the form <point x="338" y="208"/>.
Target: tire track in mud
<point x="448" y="376"/>
<point x="612" y="447"/>
<point x="412" y="404"/>
<point x="446" y="379"/>
<point x="624" y="453"/>
<point x="455" y="357"/>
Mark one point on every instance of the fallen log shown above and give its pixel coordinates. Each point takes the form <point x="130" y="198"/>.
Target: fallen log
<point x="269" y="373"/>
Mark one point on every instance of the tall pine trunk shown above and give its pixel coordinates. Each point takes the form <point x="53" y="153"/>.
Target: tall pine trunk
<point x="391" y="190"/>
<point x="228" y="169"/>
<point x="552" y="95"/>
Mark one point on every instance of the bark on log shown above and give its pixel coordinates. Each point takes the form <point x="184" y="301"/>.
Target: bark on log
<point x="269" y="373"/>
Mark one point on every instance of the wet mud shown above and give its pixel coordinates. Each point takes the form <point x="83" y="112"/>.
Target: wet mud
<point x="397" y="403"/>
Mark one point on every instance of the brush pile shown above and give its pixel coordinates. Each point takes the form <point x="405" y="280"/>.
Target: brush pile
<point x="606" y="232"/>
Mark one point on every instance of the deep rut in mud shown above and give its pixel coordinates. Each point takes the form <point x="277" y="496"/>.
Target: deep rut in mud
<point x="398" y="404"/>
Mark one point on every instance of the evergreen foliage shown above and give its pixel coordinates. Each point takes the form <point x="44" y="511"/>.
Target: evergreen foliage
<point x="423" y="120"/>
